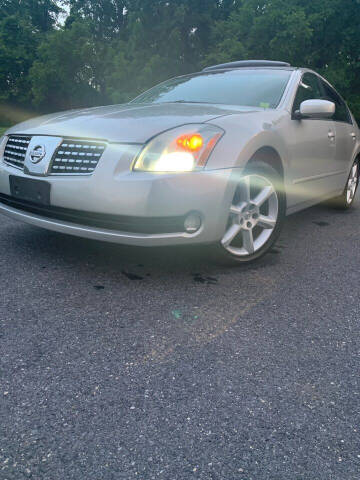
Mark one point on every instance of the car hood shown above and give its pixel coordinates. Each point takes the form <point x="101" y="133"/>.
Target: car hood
<point x="129" y="123"/>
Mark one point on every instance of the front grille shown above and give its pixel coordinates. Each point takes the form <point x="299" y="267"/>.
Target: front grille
<point x="73" y="157"/>
<point x="76" y="157"/>
<point x="15" y="150"/>
<point x="120" y="223"/>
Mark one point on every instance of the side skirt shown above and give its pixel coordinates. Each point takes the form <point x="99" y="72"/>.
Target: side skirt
<point x="313" y="201"/>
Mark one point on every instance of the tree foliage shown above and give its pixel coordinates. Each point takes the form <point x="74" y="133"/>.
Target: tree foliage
<point x="107" y="51"/>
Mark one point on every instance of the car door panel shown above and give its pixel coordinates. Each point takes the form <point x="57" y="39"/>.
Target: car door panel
<point x="344" y="132"/>
<point x="312" y="147"/>
<point x="345" y="147"/>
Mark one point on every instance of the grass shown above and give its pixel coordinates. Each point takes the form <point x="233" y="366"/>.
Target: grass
<point x="3" y="130"/>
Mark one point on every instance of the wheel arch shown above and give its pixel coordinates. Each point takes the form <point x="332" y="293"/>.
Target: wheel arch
<point x="270" y="156"/>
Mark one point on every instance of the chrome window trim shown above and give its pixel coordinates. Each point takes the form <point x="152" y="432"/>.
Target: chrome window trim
<point x="320" y="78"/>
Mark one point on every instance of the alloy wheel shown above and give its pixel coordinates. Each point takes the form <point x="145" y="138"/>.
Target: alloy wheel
<point x="352" y="183"/>
<point x="253" y="216"/>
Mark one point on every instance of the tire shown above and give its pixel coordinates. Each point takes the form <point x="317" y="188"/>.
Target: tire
<point x="264" y="220"/>
<point x="346" y="199"/>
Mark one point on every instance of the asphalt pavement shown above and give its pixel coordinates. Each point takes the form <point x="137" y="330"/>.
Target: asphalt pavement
<point x="127" y="363"/>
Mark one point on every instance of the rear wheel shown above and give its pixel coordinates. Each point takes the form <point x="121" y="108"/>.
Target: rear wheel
<point x="346" y="199"/>
<point x="256" y="215"/>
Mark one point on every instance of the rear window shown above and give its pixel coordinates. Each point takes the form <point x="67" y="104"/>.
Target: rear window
<point x="246" y="87"/>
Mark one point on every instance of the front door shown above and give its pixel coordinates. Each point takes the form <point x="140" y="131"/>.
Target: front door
<point x="312" y="149"/>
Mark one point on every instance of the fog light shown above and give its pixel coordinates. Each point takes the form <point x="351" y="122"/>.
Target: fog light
<point x="192" y="223"/>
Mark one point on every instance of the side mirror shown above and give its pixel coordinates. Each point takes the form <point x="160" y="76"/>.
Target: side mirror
<point x="315" y="109"/>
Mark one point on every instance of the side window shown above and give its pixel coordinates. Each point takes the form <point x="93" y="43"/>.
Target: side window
<point x="309" y="89"/>
<point x="341" y="111"/>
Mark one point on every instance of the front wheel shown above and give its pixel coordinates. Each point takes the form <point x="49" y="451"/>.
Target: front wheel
<point x="256" y="214"/>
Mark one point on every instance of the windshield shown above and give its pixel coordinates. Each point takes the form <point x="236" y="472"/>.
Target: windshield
<point x="246" y="87"/>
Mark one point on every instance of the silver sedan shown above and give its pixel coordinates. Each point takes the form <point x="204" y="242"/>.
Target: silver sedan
<point x="218" y="157"/>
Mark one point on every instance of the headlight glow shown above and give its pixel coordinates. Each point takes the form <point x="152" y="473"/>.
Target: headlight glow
<point x="182" y="149"/>
<point x="175" y="162"/>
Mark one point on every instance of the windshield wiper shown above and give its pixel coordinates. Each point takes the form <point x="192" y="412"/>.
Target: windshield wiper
<point x="187" y="101"/>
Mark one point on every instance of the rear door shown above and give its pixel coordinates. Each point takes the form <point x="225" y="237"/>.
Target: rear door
<point x="312" y="145"/>
<point x="345" y="134"/>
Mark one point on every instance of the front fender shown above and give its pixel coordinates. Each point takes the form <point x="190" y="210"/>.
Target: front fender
<point x="247" y="133"/>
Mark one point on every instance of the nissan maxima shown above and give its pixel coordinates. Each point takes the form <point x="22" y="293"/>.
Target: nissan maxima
<point x="218" y="157"/>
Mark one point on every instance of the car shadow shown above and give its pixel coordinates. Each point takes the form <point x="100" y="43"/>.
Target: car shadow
<point x="137" y="263"/>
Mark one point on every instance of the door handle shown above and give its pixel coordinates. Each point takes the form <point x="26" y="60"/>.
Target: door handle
<point x="331" y="135"/>
<point x="353" y="136"/>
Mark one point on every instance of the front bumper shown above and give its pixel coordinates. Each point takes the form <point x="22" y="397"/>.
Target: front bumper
<point x="113" y="189"/>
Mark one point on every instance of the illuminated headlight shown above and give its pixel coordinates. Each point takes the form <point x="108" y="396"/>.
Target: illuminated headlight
<point x="182" y="149"/>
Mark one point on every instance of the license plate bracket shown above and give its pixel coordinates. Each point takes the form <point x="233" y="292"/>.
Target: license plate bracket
<point x="36" y="191"/>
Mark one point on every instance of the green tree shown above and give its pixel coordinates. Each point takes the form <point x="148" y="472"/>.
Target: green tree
<point x="41" y="14"/>
<point x="319" y="34"/>
<point x="162" y="39"/>
<point x="107" y="17"/>
<point x="23" y="23"/>
<point x="17" y="54"/>
<point x="66" y="72"/>
<point x="111" y="50"/>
